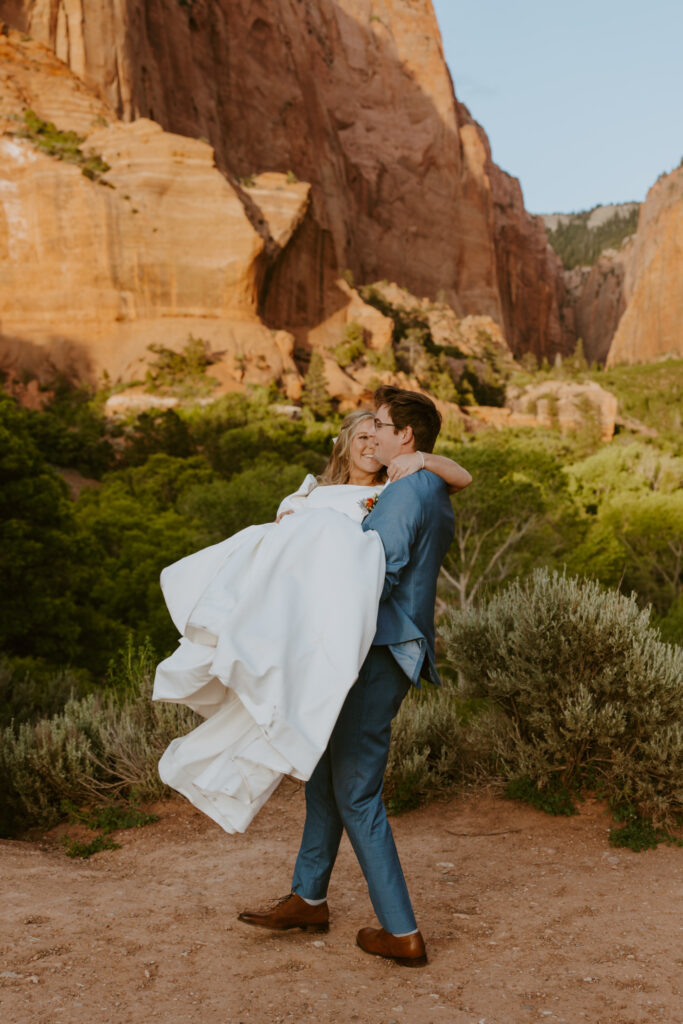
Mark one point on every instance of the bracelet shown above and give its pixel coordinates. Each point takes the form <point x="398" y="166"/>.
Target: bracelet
<point x="421" y="454"/>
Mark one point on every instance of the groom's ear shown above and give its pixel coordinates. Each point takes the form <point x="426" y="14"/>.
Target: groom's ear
<point x="406" y="434"/>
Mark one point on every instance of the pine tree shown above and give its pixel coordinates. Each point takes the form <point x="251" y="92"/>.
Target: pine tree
<point x="315" y="395"/>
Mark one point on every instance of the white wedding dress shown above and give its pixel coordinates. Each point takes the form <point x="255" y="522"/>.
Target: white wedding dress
<point x="276" y="622"/>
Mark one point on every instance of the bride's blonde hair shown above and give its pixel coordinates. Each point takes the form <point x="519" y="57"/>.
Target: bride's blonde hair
<point x="338" y="469"/>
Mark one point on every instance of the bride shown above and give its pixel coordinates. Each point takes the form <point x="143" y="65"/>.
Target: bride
<point x="275" y="623"/>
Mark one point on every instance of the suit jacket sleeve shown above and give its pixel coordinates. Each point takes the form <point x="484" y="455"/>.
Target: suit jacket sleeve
<point x="397" y="518"/>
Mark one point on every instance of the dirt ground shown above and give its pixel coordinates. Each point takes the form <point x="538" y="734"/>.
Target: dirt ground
<point x="526" y="917"/>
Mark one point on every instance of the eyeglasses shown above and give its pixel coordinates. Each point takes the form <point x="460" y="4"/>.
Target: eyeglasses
<point x="379" y="423"/>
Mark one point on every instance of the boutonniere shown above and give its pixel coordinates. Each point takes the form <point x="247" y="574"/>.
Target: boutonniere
<point x="367" y="504"/>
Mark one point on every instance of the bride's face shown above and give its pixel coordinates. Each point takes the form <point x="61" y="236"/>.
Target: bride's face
<point x="363" y="448"/>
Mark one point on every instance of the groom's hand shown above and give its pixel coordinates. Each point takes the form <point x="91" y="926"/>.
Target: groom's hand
<point x="287" y="512"/>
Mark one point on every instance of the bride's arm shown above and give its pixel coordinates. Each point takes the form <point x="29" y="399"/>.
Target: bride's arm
<point x="455" y="477"/>
<point x="297" y="500"/>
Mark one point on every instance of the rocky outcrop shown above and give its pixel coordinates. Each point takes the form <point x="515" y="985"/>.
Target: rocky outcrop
<point x="530" y="275"/>
<point x="596" y="298"/>
<point x="470" y="334"/>
<point x="628" y="306"/>
<point x="353" y="96"/>
<point x="593" y="219"/>
<point x="161" y="248"/>
<point x="568" y="405"/>
<point x="651" y="325"/>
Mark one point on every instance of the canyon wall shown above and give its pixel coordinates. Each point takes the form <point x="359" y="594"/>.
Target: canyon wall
<point x="652" y="323"/>
<point x="595" y="297"/>
<point x="353" y="96"/>
<point x="154" y="247"/>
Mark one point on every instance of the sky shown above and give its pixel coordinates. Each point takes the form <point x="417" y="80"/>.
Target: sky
<point x="582" y="101"/>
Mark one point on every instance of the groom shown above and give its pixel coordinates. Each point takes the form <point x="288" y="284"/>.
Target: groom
<point x="414" y="520"/>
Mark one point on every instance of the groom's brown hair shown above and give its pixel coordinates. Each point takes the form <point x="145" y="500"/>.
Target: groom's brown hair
<point x="412" y="409"/>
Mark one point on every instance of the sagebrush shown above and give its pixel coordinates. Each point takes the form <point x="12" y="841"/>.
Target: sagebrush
<point x="104" y="746"/>
<point x="586" y="692"/>
<point x="438" y="742"/>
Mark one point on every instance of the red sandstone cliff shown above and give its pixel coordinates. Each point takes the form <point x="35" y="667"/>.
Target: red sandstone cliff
<point x="351" y="95"/>
<point x="652" y="324"/>
<point x="92" y="272"/>
<point x="596" y="300"/>
<point x="535" y="308"/>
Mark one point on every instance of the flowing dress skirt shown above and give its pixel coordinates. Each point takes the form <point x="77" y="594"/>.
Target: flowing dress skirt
<point x="275" y="622"/>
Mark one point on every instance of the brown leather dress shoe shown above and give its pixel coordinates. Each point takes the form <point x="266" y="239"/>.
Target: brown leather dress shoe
<point x="408" y="950"/>
<point x="290" y="912"/>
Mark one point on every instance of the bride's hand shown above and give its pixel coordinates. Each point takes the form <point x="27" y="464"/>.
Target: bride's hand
<point x="404" y="465"/>
<point x="288" y="512"/>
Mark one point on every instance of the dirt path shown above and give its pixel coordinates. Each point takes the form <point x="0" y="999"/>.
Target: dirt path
<point x="541" y="921"/>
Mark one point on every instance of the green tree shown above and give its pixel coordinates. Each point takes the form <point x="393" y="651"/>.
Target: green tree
<point x="353" y="346"/>
<point x="39" y="549"/>
<point x="234" y="451"/>
<point x="71" y="431"/>
<point x="633" y="498"/>
<point x="225" y="506"/>
<point x="516" y="514"/>
<point x="315" y="395"/>
<point x="158" y="431"/>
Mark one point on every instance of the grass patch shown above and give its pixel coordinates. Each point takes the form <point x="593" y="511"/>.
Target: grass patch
<point x="75" y="848"/>
<point x="638" y="833"/>
<point x="62" y="145"/>
<point x="105" y="820"/>
<point x="109" y="818"/>
<point x="651" y="393"/>
<point x="553" y="799"/>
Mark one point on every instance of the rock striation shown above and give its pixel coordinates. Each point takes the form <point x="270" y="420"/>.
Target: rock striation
<point x="93" y="272"/>
<point x="353" y="96"/>
<point x="652" y="324"/>
<point x="268" y="147"/>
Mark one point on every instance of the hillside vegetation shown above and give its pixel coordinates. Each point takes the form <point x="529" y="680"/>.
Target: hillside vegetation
<point x="79" y="568"/>
<point x="578" y="243"/>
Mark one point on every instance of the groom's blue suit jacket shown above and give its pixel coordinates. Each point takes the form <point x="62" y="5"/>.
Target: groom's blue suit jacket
<point x="414" y="519"/>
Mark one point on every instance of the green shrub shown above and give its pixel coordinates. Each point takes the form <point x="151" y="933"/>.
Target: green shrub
<point x="437" y="743"/>
<point x="76" y="848"/>
<point x="31" y="688"/>
<point x="353" y="346"/>
<point x="181" y="373"/>
<point x="105" y="820"/>
<point x="586" y="692"/>
<point x="638" y="834"/>
<point x="382" y="360"/>
<point x="62" y="145"/>
<point x="98" y="748"/>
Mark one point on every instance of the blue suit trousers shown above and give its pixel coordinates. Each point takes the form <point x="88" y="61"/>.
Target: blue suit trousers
<point x="345" y="792"/>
